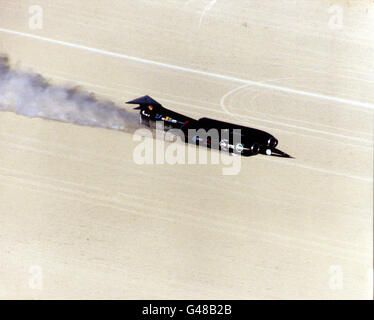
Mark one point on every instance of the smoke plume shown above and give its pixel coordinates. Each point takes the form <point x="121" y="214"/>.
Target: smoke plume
<point x="30" y="94"/>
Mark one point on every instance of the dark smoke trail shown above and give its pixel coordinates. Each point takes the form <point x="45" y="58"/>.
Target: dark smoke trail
<point x="30" y="94"/>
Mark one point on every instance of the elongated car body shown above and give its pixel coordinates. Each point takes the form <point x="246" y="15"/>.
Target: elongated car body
<point x="211" y="133"/>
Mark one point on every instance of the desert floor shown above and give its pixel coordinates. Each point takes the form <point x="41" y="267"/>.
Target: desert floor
<point x="80" y="219"/>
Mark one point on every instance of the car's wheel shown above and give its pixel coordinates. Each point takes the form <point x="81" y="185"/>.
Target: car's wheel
<point x="255" y="148"/>
<point x="272" y="142"/>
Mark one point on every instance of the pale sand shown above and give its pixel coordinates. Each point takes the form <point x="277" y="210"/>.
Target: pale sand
<point x="74" y="204"/>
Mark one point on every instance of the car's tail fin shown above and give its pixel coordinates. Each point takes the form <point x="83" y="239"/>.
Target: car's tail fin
<point x="144" y="102"/>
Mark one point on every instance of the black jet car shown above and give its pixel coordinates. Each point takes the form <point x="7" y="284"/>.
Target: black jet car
<point x="230" y="137"/>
